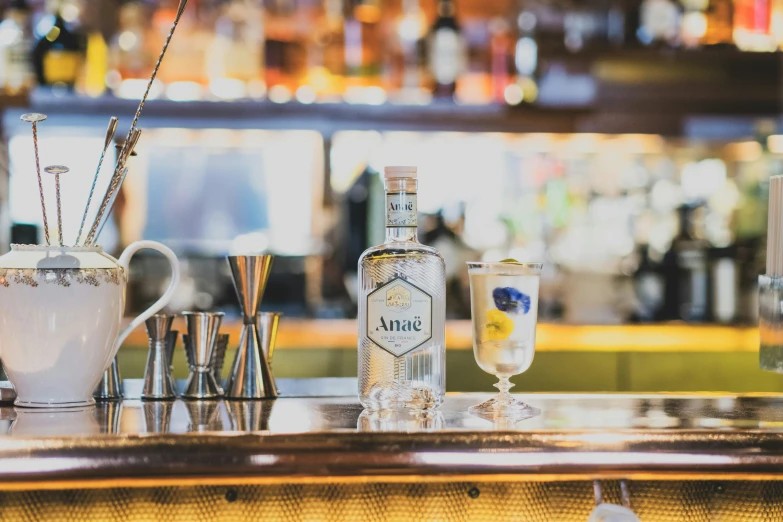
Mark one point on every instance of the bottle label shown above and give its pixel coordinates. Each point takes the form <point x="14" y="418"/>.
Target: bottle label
<point x="446" y="55"/>
<point x="399" y="317"/>
<point x="61" y="66"/>
<point x="401" y="209"/>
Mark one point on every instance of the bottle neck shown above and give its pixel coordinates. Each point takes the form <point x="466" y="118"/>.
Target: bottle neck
<point x="446" y="9"/>
<point x="401" y="210"/>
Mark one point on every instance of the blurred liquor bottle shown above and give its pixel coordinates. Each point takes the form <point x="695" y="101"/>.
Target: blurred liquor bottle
<point x="15" y="43"/>
<point x="659" y="22"/>
<point x="693" y="25"/>
<point x="408" y="58"/>
<point x="363" y="42"/>
<point x="752" y="25"/>
<point x="59" y="54"/>
<point x="447" y="50"/>
<point x="186" y="54"/>
<point x="500" y="45"/>
<point x="331" y="41"/>
<point x="525" y="60"/>
<point x="720" y="14"/>
<point x="96" y="65"/>
<point x="724" y="284"/>
<point x="234" y="61"/>
<point x="649" y="288"/>
<point x="280" y="36"/>
<point x="685" y="271"/>
<point x="128" y="54"/>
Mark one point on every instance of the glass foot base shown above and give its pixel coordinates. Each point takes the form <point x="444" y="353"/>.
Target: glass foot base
<point x="504" y="407"/>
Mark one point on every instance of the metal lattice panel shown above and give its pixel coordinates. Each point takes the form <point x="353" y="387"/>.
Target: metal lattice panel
<point x="724" y="501"/>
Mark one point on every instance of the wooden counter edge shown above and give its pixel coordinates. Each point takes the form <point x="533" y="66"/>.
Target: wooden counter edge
<point x="341" y="334"/>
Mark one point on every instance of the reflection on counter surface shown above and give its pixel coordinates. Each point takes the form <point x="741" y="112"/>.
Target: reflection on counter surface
<point x="301" y="410"/>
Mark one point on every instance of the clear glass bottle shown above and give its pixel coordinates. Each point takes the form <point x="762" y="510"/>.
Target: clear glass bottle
<point x="15" y="70"/>
<point x="402" y="311"/>
<point x="447" y="50"/>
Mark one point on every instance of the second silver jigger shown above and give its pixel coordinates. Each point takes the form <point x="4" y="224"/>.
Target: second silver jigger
<point x="110" y="387"/>
<point x="202" y="330"/>
<point x="157" y="377"/>
<point x="267" y="323"/>
<point x="220" y="356"/>
<point x="250" y="377"/>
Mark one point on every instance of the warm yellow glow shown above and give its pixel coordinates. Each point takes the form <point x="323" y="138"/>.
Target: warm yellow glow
<point x="367" y="13"/>
<point x="96" y="65"/>
<point x="279" y="94"/>
<point x="228" y="88"/>
<point x="53" y="33"/>
<point x="744" y="151"/>
<point x="133" y="88"/>
<point x="694" y="24"/>
<point x="256" y="89"/>
<point x="184" y="91"/>
<point x="365" y="95"/>
<point x="69" y="12"/>
<point x="127" y="40"/>
<point x="513" y="94"/>
<point x="775" y="143"/>
<point x="530" y="89"/>
<point x="305" y="94"/>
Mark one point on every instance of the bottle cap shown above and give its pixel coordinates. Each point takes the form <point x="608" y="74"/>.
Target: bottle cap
<point x="399" y="172"/>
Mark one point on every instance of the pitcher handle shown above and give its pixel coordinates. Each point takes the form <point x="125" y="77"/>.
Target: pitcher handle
<point x="124" y="261"/>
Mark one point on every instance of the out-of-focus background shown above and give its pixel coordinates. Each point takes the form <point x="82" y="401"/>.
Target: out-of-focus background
<point x="627" y="144"/>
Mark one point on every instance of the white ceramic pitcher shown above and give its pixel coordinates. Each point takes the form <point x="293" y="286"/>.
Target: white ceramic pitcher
<point x="61" y="310"/>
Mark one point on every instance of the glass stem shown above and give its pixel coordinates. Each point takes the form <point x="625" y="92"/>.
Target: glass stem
<point x="503" y="385"/>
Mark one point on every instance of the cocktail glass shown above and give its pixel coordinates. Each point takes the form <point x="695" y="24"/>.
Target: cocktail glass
<point x="504" y="310"/>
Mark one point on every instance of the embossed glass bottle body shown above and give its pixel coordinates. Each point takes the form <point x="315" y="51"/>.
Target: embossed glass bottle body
<point x="402" y="291"/>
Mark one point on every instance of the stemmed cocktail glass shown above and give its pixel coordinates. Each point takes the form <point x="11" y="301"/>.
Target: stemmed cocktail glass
<point x="504" y="310"/>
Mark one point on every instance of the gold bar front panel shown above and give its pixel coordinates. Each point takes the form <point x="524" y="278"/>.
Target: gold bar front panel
<point x="653" y="501"/>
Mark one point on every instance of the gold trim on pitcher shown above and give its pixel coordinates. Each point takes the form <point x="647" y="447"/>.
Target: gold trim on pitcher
<point x="60" y="276"/>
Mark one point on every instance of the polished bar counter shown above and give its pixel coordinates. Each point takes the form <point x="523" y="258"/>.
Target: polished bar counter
<point x="703" y="452"/>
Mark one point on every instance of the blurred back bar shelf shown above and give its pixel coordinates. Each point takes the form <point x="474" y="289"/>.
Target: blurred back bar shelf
<point x="628" y="145"/>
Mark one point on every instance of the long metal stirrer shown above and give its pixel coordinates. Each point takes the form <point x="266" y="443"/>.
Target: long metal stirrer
<point x="115" y="181"/>
<point x="109" y="136"/>
<point x="111" y="195"/>
<point x="57" y="170"/>
<point x="111" y="203"/>
<point x="34" y="118"/>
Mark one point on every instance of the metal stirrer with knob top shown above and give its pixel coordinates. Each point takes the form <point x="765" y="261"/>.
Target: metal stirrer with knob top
<point x="34" y="118"/>
<point x="57" y="170"/>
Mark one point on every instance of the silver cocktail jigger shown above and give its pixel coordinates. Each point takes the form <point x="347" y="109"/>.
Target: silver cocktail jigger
<point x="250" y="377"/>
<point x="219" y="359"/>
<point x="216" y="367"/>
<point x="267" y="323"/>
<point x="200" y="349"/>
<point x="157" y="377"/>
<point x="171" y="343"/>
<point x="110" y="387"/>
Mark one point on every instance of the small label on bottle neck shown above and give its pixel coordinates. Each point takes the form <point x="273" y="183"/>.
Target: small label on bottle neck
<point x="401" y="209"/>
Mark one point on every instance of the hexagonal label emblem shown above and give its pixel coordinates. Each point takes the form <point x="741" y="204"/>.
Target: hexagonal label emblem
<point x="399" y="317"/>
